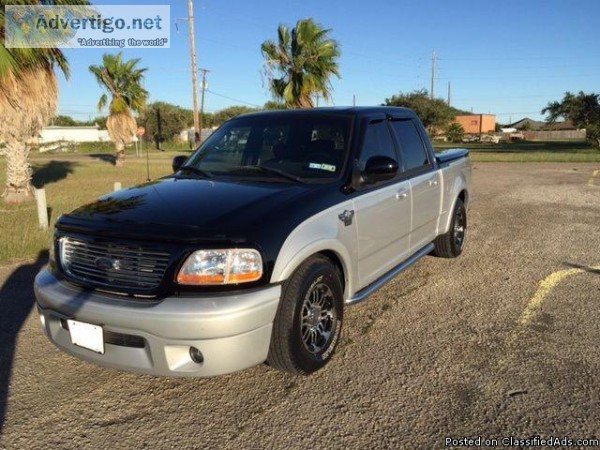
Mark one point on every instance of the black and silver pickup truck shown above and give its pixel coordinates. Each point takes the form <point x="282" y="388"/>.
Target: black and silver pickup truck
<point x="251" y="250"/>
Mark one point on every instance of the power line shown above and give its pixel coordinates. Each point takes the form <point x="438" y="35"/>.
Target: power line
<point x="233" y="99"/>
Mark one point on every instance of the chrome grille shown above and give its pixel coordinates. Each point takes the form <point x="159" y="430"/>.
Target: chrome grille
<point x="112" y="266"/>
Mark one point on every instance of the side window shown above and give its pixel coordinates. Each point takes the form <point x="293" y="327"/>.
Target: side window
<point x="411" y="144"/>
<point x="377" y="142"/>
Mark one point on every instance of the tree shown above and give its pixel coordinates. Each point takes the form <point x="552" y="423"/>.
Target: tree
<point x="581" y="109"/>
<point x="173" y="120"/>
<point x="100" y="121"/>
<point x="65" y="121"/>
<point x="229" y="113"/>
<point x="301" y="63"/>
<point x="434" y="113"/>
<point x="272" y="104"/>
<point x="455" y="132"/>
<point x="123" y="81"/>
<point x="28" y="100"/>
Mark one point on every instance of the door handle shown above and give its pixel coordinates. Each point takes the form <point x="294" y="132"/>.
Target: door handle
<point x="401" y="194"/>
<point x="433" y="182"/>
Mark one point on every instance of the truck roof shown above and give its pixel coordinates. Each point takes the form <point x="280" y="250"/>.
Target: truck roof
<point x="358" y="111"/>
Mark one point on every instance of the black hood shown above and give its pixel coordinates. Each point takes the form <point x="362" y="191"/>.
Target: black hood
<point x="198" y="210"/>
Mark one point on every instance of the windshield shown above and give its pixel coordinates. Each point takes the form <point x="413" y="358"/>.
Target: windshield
<point x="285" y="148"/>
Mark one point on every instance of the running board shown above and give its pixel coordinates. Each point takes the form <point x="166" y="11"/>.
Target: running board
<point x="363" y="294"/>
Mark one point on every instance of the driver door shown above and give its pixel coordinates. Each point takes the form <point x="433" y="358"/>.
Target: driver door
<point x="383" y="210"/>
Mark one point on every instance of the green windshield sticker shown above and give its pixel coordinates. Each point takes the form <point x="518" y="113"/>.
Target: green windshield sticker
<point x="327" y="167"/>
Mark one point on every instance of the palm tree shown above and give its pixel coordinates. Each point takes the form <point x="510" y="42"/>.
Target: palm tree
<point x="123" y="80"/>
<point x="301" y="63"/>
<point x="28" y="100"/>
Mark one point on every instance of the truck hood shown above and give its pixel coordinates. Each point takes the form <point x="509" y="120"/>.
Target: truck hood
<point x="186" y="209"/>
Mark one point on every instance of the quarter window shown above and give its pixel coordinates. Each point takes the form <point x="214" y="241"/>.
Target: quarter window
<point x="411" y="144"/>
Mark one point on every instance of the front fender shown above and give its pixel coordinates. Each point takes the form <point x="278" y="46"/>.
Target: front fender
<point x="320" y="233"/>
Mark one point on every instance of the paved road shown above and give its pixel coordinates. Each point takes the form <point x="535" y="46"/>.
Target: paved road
<point x="468" y="347"/>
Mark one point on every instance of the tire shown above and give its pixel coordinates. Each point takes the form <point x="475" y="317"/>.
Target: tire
<point x="308" y="323"/>
<point x="451" y="244"/>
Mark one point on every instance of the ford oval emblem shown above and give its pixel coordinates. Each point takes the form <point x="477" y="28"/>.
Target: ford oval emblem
<point x="105" y="263"/>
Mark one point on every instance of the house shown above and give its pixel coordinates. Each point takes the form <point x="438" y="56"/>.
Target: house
<point x="527" y="124"/>
<point x="477" y="123"/>
<point x="533" y="130"/>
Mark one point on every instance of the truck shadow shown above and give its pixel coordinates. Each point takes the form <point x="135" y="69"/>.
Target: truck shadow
<point x="16" y="302"/>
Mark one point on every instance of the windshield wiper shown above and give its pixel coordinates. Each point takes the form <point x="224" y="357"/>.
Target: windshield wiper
<point x="202" y="173"/>
<point x="281" y="173"/>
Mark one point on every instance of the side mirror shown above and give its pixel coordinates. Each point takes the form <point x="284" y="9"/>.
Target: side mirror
<point x="178" y="161"/>
<point x="379" y="168"/>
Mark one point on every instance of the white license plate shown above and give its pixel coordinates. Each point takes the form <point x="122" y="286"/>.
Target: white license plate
<point x="87" y="335"/>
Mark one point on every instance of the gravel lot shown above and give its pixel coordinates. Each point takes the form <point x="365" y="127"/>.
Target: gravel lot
<point x="451" y="348"/>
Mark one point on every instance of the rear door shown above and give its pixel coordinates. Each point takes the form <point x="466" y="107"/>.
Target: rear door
<point x="382" y="210"/>
<point x="425" y="182"/>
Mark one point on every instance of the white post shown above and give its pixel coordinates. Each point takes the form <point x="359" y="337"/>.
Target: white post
<point x="42" y="208"/>
<point x="118" y="186"/>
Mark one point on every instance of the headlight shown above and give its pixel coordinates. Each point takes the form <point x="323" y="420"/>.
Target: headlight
<point x="211" y="267"/>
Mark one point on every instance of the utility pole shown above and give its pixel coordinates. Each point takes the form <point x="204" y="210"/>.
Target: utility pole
<point x="204" y="87"/>
<point x="317" y="99"/>
<point x="433" y="60"/>
<point x="449" y="88"/>
<point x="194" y="65"/>
<point x="353" y="99"/>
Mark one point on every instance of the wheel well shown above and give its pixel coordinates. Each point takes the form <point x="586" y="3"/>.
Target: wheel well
<point x="337" y="262"/>
<point x="464" y="196"/>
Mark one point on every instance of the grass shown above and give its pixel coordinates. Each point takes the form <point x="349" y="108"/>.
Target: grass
<point x="72" y="179"/>
<point x="108" y="147"/>
<point x="526" y="151"/>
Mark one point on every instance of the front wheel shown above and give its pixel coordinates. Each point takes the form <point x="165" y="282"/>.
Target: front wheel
<point x="451" y="244"/>
<point x="308" y="323"/>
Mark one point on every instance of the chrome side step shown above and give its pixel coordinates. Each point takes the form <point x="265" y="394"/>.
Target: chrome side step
<point x="364" y="293"/>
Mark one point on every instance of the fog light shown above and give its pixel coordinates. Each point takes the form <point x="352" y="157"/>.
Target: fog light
<point x="43" y="321"/>
<point x="196" y="355"/>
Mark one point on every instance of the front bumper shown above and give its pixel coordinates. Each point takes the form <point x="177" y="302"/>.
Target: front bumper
<point x="232" y="332"/>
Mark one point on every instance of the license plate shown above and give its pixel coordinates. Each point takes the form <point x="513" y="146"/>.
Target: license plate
<point x="87" y="335"/>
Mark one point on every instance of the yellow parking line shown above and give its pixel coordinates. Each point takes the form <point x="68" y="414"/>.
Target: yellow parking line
<point x="594" y="175"/>
<point x="544" y="288"/>
<point x="534" y="306"/>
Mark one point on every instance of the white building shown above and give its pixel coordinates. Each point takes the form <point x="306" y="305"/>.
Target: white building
<point x="73" y="134"/>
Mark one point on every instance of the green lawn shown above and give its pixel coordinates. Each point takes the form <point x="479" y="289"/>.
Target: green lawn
<point x="528" y="151"/>
<point x="74" y="178"/>
<point x="70" y="180"/>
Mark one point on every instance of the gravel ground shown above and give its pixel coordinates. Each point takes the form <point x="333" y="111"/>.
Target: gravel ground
<point x="451" y="348"/>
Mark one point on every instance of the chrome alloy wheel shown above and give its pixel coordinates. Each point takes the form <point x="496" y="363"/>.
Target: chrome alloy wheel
<point x="460" y="228"/>
<point x="318" y="318"/>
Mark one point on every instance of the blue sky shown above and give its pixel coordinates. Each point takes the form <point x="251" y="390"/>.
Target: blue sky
<point x="506" y="58"/>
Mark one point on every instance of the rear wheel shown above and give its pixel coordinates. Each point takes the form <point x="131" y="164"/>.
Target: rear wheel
<point x="451" y="244"/>
<point x="308" y="323"/>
